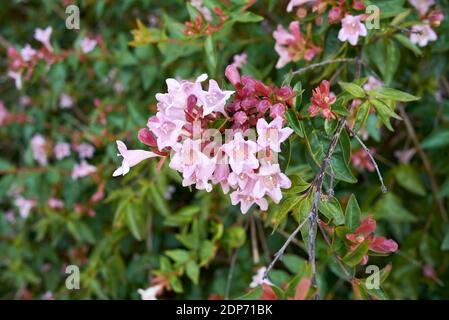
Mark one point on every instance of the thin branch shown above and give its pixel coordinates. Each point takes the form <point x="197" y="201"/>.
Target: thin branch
<point x="370" y="155"/>
<point x="426" y="162"/>
<point x="230" y="274"/>
<point x="255" y="249"/>
<point x="281" y="251"/>
<point x="322" y="63"/>
<point x="313" y="215"/>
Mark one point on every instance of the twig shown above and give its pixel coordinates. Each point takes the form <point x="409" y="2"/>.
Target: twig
<point x="425" y="160"/>
<point x="262" y="239"/>
<point x="370" y="155"/>
<point x="322" y="63"/>
<point x="313" y="215"/>
<point x="281" y="251"/>
<point x="230" y="273"/>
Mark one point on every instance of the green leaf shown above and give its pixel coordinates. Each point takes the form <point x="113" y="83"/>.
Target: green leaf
<point x="134" y="221"/>
<point x="293" y="122"/>
<point x="390" y="208"/>
<point x="298" y="185"/>
<point x="287" y="205"/>
<point x="254" y="294"/>
<point x="247" y="16"/>
<point x="436" y="140"/>
<point x="293" y="263"/>
<point x="353" y="89"/>
<point x="354" y="257"/>
<point x="408" y="178"/>
<point x="361" y="116"/>
<point x="193" y="271"/>
<point x="332" y="210"/>
<point x="211" y="55"/>
<point x="405" y="41"/>
<point x="393" y="94"/>
<point x="178" y="255"/>
<point x="445" y="242"/>
<point x="352" y="213"/>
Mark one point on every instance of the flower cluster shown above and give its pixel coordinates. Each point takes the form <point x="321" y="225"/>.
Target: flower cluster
<point x="293" y="45"/>
<point x="184" y="127"/>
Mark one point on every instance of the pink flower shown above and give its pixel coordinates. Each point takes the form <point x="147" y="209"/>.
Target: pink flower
<point x="82" y="169"/>
<point x="296" y="3"/>
<point x="269" y="181"/>
<point x="55" y="203"/>
<point x="352" y="29"/>
<point x="166" y="130"/>
<point x="361" y="160"/>
<point x="85" y="150"/>
<point x="372" y="83"/>
<point x="87" y="45"/>
<point x="62" y="150"/>
<point x="247" y="199"/>
<point x="24" y="206"/>
<point x="65" y="101"/>
<point x="293" y="46"/>
<point x="240" y="60"/>
<point x="422" y="35"/>
<point x="241" y="153"/>
<point x="214" y="99"/>
<point x="195" y="166"/>
<point x="17" y="77"/>
<point x="27" y="53"/>
<point x="272" y="135"/>
<point x="321" y="101"/>
<point x="240" y="117"/>
<point x="43" y="36"/>
<point x="221" y="175"/>
<point x="422" y="5"/>
<point x="38" y="147"/>
<point x="130" y="158"/>
<point x="4" y="113"/>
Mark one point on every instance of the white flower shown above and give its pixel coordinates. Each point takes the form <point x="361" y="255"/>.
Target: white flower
<point x="150" y="293"/>
<point x="258" y="278"/>
<point x="87" y="45"/>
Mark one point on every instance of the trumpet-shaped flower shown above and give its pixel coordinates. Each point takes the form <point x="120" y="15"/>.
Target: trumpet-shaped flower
<point x="241" y="153"/>
<point x="43" y="36"/>
<point x="351" y="29"/>
<point x="422" y="34"/>
<point x="130" y="158"/>
<point x="165" y="129"/>
<point x="272" y="135"/>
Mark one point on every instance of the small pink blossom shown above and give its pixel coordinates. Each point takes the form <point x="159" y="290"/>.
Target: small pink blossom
<point x="85" y="150"/>
<point x="24" y="206"/>
<point x="240" y="60"/>
<point x="62" y="150"/>
<point x="214" y="99"/>
<point x="82" y="169"/>
<point x="17" y="77"/>
<point x="422" y="5"/>
<point x="55" y="203"/>
<point x="269" y="182"/>
<point x="43" y="36"/>
<point x="130" y="158"/>
<point x="28" y="53"/>
<point x="4" y="113"/>
<point x="351" y="29"/>
<point x="65" y="101"/>
<point x="241" y="153"/>
<point x="87" y="45"/>
<point x="372" y="83"/>
<point x="321" y="101"/>
<point x="166" y="130"/>
<point x="272" y="135"/>
<point x="195" y="166"/>
<point x="422" y="34"/>
<point x="247" y="199"/>
<point x="361" y="160"/>
<point x="38" y="147"/>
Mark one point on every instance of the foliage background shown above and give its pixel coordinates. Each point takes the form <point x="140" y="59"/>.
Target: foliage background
<point x="136" y="233"/>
